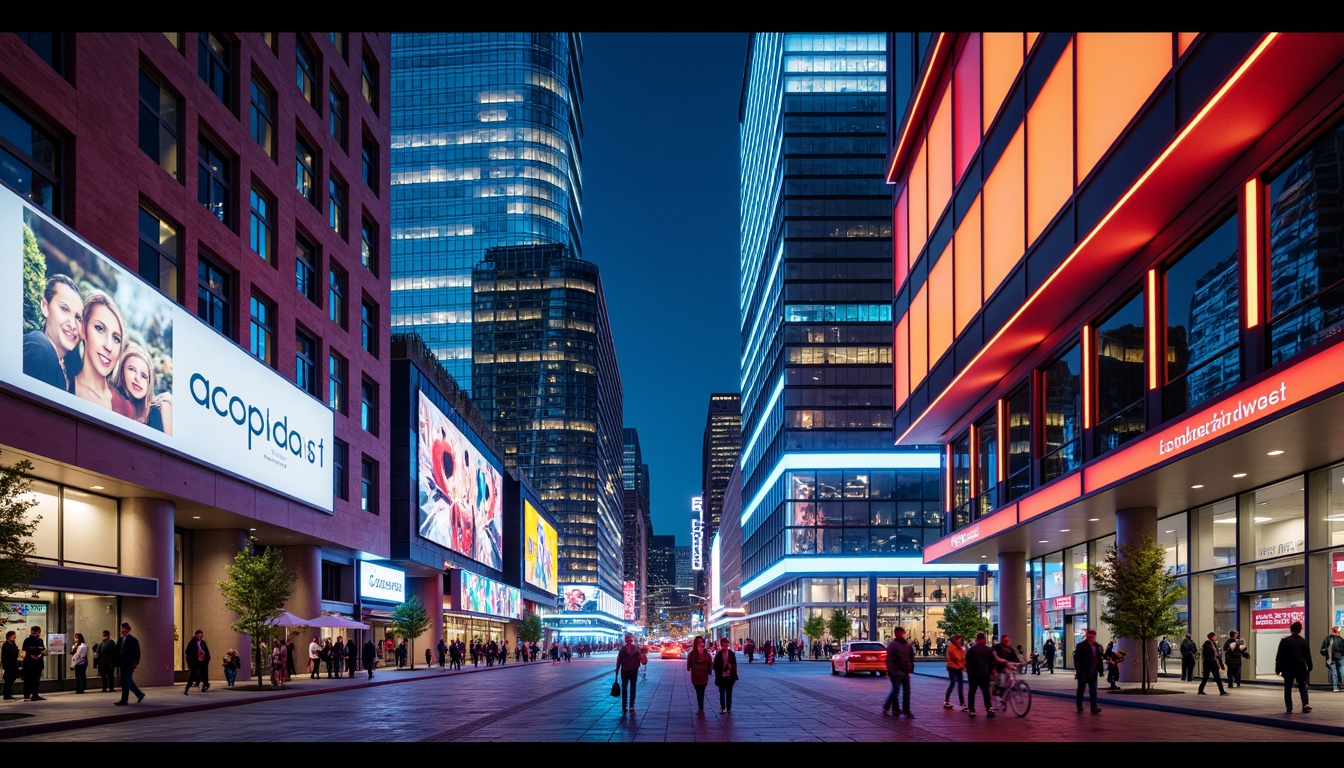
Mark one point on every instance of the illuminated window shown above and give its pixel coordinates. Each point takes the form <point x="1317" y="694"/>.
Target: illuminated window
<point x="305" y="159"/>
<point x="214" y="296"/>
<point x="337" y="282"/>
<point x="305" y="362"/>
<point x="214" y="179"/>
<point x="1062" y="425"/>
<point x="337" y="373"/>
<point x="1121" y="375"/>
<point x="368" y="245"/>
<point x="368" y="327"/>
<point x="214" y="66"/>
<point x="305" y="270"/>
<point x="159" y="257"/>
<point x="368" y="406"/>
<point x="305" y="67"/>
<point x="159" y="112"/>
<point x="368" y="485"/>
<point x="336" y="192"/>
<point x="1203" y="311"/>
<point x="368" y="79"/>
<point x="262" y="230"/>
<point x="262" y="337"/>
<point x="1017" y="413"/>
<point x="263" y="116"/>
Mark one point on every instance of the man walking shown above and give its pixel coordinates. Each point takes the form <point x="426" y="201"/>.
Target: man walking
<point x="128" y="657"/>
<point x="900" y="665"/>
<point x="628" y="661"/>
<point x="107" y="661"/>
<point x="34" y="651"/>
<point x="1234" y="650"/>
<point x="1087" y="658"/>
<point x="1333" y="651"/>
<point x="980" y="663"/>
<point x="370" y="652"/>
<point x="315" y="659"/>
<point x="1293" y="661"/>
<point x="1213" y="662"/>
<point x="198" y="663"/>
<point x="1188" y="651"/>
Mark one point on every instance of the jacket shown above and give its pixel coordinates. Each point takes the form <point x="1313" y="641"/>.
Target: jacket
<point x="9" y="657"/>
<point x="1087" y="659"/>
<point x="629" y="659"/>
<point x="700" y="664"/>
<point x="1293" y="657"/>
<point x="725" y="667"/>
<point x="128" y="652"/>
<point x="369" y="653"/>
<point x="195" y="655"/>
<point x="80" y="655"/>
<point x="900" y="657"/>
<point x="1332" y="648"/>
<point x="106" y="654"/>
<point x="956" y="656"/>
<point x="1188" y="648"/>
<point x="1234" y="651"/>
<point x="979" y="662"/>
<point x="1212" y="656"/>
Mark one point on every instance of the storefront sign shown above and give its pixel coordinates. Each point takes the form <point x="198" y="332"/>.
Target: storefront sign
<point x="56" y="643"/>
<point x="1063" y="602"/>
<point x="1337" y="569"/>
<point x="629" y="593"/>
<point x="377" y="582"/>
<point x="1277" y="618"/>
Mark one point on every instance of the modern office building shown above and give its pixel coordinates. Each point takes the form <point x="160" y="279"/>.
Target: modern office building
<point x="224" y="231"/>
<point x="720" y="448"/>
<point x="727" y="609"/>
<point x="662" y="578"/>
<point x="486" y="152"/>
<point x="636" y="524"/>
<point x="1118" y="311"/>
<point x="547" y="381"/>
<point x="832" y="515"/>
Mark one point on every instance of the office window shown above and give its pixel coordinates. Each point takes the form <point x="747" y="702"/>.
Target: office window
<point x="368" y="80"/>
<point x="368" y="406"/>
<point x="1203" y="311"/>
<point x="1018" y="415"/>
<point x="336" y="205"/>
<point x="262" y="338"/>
<point x="1121" y="382"/>
<point x="337" y="377"/>
<point x="159" y="124"/>
<point x="338" y="41"/>
<point x="47" y="45"/>
<point x="1062" y="423"/>
<point x="340" y="469"/>
<point x="337" y="282"/>
<point x="214" y="296"/>
<point x="213" y="181"/>
<point x="213" y="64"/>
<point x="305" y="270"/>
<point x="305" y="160"/>
<point x="368" y="327"/>
<point x="305" y="65"/>
<point x="268" y="38"/>
<point x="159" y="255"/>
<point x="368" y="485"/>
<point x="986" y="463"/>
<point x="368" y="245"/>
<point x="305" y="362"/>
<point x="368" y="163"/>
<point x="263" y="116"/>
<point x="262" y="232"/>
<point x="174" y="39"/>
<point x="336" y="109"/>
<point x="29" y="159"/>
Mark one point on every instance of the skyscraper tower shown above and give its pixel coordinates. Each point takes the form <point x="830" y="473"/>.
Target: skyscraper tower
<point x="485" y="152"/>
<point x="718" y="455"/>
<point x="823" y="492"/>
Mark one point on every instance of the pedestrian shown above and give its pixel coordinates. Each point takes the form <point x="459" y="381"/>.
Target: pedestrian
<point x="1332" y="648"/>
<point x="315" y="659"/>
<point x="429" y="658"/>
<point x="1113" y="661"/>
<point x="128" y="658"/>
<point x="700" y="663"/>
<point x="326" y="658"/>
<point x="628" y="661"/>
<point x="443" y="652"/>
<point x="351" y="656"/>
<point x="955" y="653"/>
<point x="370" y="656"/>
<point x="197" y="658"/>
<point x="289" y="658"/>
<point x="1213" y="663"/>
<point x="980" y="664"/>
<point x="1087" y="660"/>
<point x="555" y="653"/>
<point x="749" y="648"/>
<point x="1188" y="651"/>
<point x="725" y="675"/>
<point x="403" y="653"/>
<point x="338" y="657"/>
<point x="1163" y="651"/>
<point x="232" y="663"/>
<point x="455" y="655"/>
<point x="79" y="662"/>
<point x="9" y="662"/>
<point x="279" y="667"/>
<point x="34" y="652"/>
<point x="900" y="665"/>
<point x="1293" y="661"/>
<point x="1049" y="650"/>
<point x="105" y="656"/>
<point x="1234" y="650"/>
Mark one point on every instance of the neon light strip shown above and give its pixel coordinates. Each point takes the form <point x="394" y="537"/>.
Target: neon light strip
<point x="1180" y="138"/>
<point x="886" y="460"/>
<point x="1001" y="408"/>
<point x="1251" y="226"/>
<point x="810" y="565"/>
<point x="1087" y="377"/>
<point x="1155" y="357"/>
<point x="760" y="423"/>
<point x="919" y="97"/>
<point x="947" y="497"/>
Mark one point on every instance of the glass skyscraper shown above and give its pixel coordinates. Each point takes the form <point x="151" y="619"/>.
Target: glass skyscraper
<point x="832" y="515"/>
<point x="485" y="152"/>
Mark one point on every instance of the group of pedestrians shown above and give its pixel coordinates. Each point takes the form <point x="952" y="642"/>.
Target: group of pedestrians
<point x="722" y="663"/>
<point x="29" y="660"/>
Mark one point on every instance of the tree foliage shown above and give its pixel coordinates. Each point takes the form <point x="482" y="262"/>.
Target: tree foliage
<point x="256" y="590"/>
<point x="815" y="627"/>
<point x="529" y="627"/>
<point x="410" y="620"/>
<point x="17" y="527"/>
<point x="963" y="616"/>
<point x="1141" y="596"/>
<point x="839" y="625"/>
<point x="34" y="281"/>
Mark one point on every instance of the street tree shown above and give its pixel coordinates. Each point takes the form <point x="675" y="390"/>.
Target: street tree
<point x="256" y="590"/>
<point x="410" y="620"/>
<point x="839" y="625"/>
<point x="815" y="627"/>
<point x="17" y="527"/>
<point x="963" y="617"/>
<point x="529" y="627"/>
<point x="1142" y="596"/>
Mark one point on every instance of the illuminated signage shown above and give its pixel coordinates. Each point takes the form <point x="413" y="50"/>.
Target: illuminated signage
<point x="629" y="593"/>
<point x="587" y="598"/>
<point x="1337" y="570"/>
<point x="697" y="543"/>
<point x="1063" y="602"/>
<point x="541" y="569"/>
<point x="698" y="506"/>
<point x="478" y="594"/>
<point x="1277" y="618"/>
<point x="86" y="334"/>
<point x="381" y="583"/>
<point x="461" y="494"/>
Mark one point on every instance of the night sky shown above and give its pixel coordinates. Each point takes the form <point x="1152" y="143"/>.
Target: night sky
<point x="660" y="204"/>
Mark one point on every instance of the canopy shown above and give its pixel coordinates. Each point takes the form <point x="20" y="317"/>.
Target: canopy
<point x="333" y="621"/>
<point x="287" y="619"/>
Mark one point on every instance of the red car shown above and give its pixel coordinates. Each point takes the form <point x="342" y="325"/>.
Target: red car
<point x="860" y="656"/>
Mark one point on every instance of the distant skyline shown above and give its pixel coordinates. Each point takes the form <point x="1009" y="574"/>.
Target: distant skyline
<point x="660" y="217"/>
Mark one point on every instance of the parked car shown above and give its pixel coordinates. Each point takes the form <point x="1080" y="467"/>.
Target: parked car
<point x="860" y="656"/>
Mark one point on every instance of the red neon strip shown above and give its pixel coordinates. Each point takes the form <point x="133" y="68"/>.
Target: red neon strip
<point x="1251" y="228"/>
<point x="1155" y="357"/>
<point x="1000" y="460"/>
<point x="1087" y="377"/>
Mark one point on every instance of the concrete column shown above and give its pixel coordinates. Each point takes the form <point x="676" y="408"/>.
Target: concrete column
<point x="430" y="591"/>
<point x="147" y="549"/>
<point x="1130" y="527"/>
<point x="211" y="552"/>
<point x="306" y="599"/>
<point x="1014" y="618"/>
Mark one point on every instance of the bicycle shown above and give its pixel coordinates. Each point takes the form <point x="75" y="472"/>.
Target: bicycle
<point x="1014" y="693"/>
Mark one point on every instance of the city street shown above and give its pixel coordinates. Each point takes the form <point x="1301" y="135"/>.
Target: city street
<point x="570" y="703"/>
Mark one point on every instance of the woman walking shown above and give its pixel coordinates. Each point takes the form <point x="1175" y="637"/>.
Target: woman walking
<point x="956" y="668"/>
<point x="700" y="663"/>
<point x="725" y="674"/>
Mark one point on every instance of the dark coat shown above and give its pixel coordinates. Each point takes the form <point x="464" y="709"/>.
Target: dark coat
<point x="1188" y="648"/>
<point x="900" y="657"/>
<point x="700" y="664"/>
<point x="1049" y="649"/>
<point x="106" y="651"/>
<point x="128" y="652"/>
<point x="9" y="657"/>
<point x="1211" y="656"/>
<point x="370" y="651"/>
<point x="1293" y="657"/>
<point x="725" y="667"/>
<point x="193" y="656"/>
<point x="979" y="663"/>
<point x="1234" y="652"/>
<point x="1087" y="659"/>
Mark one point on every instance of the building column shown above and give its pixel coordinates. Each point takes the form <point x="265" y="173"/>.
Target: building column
<point x="306" y="599"/>
<point x="147" y="548"/>
<point x="1014" y="618"/>
<point x="203" y="605"/>
<point x="430" y="591"/>
<point x="1131" y="525"/>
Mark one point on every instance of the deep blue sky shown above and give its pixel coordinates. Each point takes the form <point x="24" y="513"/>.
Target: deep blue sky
<point x="660" y="172"/>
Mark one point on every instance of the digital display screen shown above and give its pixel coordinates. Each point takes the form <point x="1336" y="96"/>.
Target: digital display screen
<point x="540" y="570"/>
<point x="461" y="494"/>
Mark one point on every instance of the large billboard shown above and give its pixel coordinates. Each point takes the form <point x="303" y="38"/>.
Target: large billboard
<point x="541" y="569"/>
<point x="588" y="598"/>
<point x="90" y="336"/>
<point x="481" y="595"/>
<point x="461" y="494"/>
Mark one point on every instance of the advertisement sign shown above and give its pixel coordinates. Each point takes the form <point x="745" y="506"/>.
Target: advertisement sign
<point x="1337" y="569"/>
<point x="461" y="494"/>
<point x="21" y="616"/>
<point x="698" y="506"/>
<point x="481" y="595"/>
<point x="1277" y="619"/>
<point x="541" y="569"/>
<point x="56" y="643"/>
<point x="589" y="599"/>
<point x="1063" y="602"/>
<point x="697" y="544"/>
<point x="629" y="591"/>
<point x="81" y="331"/>
<point x="378" y="582"/>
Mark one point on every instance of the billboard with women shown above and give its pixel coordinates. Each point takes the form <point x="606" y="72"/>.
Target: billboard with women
<point x="461" y="493"/>
<point x="83" y="332"/>
<point x="541" y="568"/>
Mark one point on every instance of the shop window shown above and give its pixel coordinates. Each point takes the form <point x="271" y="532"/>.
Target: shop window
<point x="1213" y="535"/>
<point x="1276" y="527"/>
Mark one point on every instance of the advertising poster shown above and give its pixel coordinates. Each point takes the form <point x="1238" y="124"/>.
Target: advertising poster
<point x="461" y="494"/>
<point x="482" y="595"/>
<point x="81" y="331"/>
<point x="541" y="569"/>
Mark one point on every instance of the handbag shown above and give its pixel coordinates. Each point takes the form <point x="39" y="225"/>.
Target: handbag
<point x="615" y="687"/>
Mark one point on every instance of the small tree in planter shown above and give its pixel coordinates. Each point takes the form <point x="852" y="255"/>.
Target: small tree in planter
<point x="410" y="620"/>
<point x="529" y="628"/>
<point x="839" y="625"/>
<point x="1142" y="596"/>
<point x="815" y="627"/>
<point x="16" y="529"/>
<point x="963" y="617"/>
<point x="256" y="590"/>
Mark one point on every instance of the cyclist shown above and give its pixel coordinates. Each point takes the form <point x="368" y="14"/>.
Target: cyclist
<point x="1005" y="654"/>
